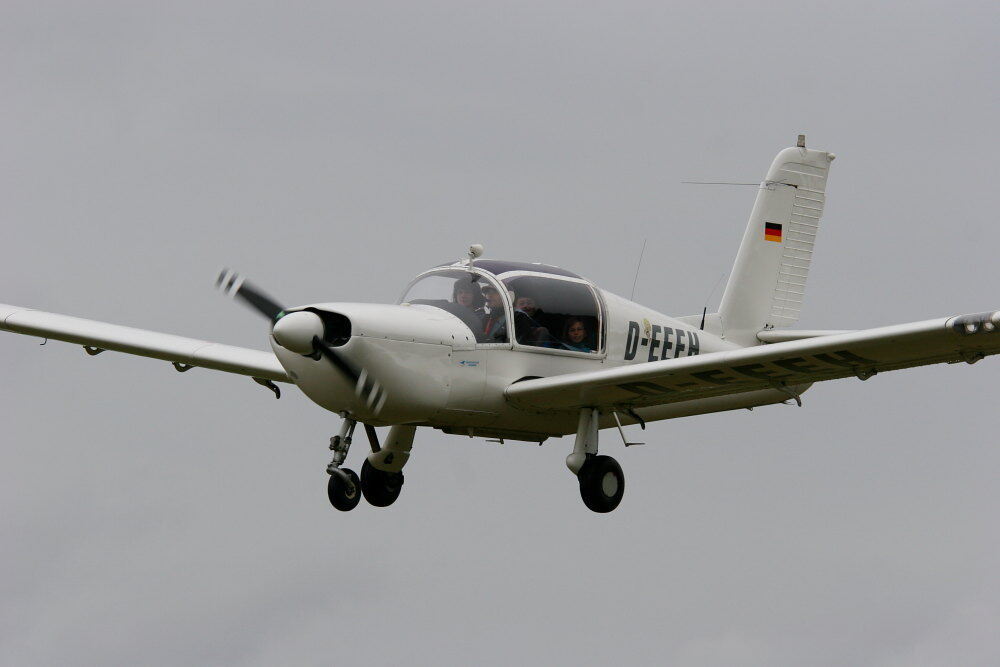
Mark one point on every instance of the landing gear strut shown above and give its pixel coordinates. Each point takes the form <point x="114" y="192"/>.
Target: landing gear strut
<point x="344" y="488"/>
<point x="381" y="475"/>
<point x="602" y="482"/>
<point x="382" y="472"/>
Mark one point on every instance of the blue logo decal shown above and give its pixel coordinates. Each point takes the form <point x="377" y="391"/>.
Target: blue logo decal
<point x="468" y="362"/>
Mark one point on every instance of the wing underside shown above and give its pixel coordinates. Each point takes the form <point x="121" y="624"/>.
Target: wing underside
<point x="784" y="366"/>
<point x="185" y="352"/>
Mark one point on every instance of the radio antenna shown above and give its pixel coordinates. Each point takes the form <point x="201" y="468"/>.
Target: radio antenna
<point x="704" y="311"/>
<point x="715" y="183"/>
<point x="637" y="267"/>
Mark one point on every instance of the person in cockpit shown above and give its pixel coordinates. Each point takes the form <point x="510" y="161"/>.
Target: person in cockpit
<point x="467" y="298"/>
<point x="575" y="335"/>
<point x="467" y="293"/>
<point x="494" y="317"/>
<point x="529" y="330"/>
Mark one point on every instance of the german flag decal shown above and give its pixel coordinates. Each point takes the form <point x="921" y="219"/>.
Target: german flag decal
<point x="772" y="231"/>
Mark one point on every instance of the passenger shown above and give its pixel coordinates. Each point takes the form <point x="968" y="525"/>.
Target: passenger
<point x="529" y="330"/>
<point x="575" y="336"/>
<point x="527" y="304"/>
<point x="494" y="317"/>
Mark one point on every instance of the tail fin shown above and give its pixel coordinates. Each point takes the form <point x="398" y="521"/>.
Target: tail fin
<point x="768" y="281"/>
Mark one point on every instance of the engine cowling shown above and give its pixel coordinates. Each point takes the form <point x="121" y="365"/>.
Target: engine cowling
<point x="407" y="350"/>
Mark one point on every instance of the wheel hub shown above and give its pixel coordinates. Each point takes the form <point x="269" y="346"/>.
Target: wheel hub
<point x="609" y="484"/>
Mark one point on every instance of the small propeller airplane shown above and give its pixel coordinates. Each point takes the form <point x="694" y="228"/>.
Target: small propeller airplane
<point x="524" y="351"/>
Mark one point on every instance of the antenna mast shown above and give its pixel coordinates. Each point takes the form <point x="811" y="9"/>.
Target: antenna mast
<point x="637" y="267"/>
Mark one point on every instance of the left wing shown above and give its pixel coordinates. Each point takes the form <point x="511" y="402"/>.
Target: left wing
<point x="784" y="365"/>
<point x="183" y="352"/>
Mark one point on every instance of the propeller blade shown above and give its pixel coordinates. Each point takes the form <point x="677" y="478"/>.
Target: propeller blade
<point x="367" y="387"/>
<point x="236" y="286"/>
<point x="334" y="358"/>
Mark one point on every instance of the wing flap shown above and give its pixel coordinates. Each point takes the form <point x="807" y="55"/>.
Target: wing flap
<point x="144" y="343"/>
<point x="786" y="365"/>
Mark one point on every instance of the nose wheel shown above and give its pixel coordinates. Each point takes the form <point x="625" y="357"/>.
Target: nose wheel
<point x="380" y="488"/>
<point x="344" y="489"/>
<point x="602" y="483"/>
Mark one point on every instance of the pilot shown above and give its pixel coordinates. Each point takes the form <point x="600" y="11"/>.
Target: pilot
<point x="466" y="293"/>
<point x="575" y="336"/>
<point x="494" y="317"/>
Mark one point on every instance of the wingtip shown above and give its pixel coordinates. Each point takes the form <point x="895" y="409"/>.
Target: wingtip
<point x="6" y="310"/>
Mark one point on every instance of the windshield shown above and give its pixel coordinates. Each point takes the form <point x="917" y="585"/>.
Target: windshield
<point x="469" y="297"/>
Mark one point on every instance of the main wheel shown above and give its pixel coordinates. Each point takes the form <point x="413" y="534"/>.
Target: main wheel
<point x="602" y="483"/>
<point x="344" y="489"/>
<point x="379" y="487"/>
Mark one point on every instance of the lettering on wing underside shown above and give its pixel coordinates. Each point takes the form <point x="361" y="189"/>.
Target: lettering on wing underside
<point x="779" y="370"/>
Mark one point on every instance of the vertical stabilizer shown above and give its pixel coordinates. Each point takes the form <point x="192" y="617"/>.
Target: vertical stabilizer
<point x="768" y="281"/>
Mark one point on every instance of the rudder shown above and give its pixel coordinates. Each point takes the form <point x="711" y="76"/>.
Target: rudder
<point x="767" y="285"/>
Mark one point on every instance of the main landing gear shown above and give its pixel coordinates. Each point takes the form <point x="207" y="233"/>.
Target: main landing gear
<point x="380" y="488"/>
<point x="602" y="482"/>
<point x="381" y="474"/>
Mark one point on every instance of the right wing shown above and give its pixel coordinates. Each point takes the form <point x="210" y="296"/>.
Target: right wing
<point x="784" y="366"/>
<point x="183" y="352"/>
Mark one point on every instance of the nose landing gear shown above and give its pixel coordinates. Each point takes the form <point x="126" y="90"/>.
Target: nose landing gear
<point x="380" y="482"/>
<point x="344" y="487"/>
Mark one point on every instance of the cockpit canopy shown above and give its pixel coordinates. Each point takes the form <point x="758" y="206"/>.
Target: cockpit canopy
<point x="550" y="308"/>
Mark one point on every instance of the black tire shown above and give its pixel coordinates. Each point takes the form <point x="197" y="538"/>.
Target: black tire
<point x="602" y="483"/>
<point x="344" y="490"/>
<point x="379" y="487"/>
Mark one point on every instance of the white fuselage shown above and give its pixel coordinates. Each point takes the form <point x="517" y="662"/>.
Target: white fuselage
<point x="435" y="374"/>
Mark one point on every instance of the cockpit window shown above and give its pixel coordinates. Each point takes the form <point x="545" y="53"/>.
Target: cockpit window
<point x="470" y="297"/>
<point x="553" y="313"/>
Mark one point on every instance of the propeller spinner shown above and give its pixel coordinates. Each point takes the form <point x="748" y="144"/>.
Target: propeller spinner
<point x="302" y="332"/>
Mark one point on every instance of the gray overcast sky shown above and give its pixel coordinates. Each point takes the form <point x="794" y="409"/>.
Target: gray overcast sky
<point x="333" y="150"/>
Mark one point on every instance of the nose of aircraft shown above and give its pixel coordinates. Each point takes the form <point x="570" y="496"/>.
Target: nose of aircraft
<point x="296" y="331"/>
<point x="395" y="359"/>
